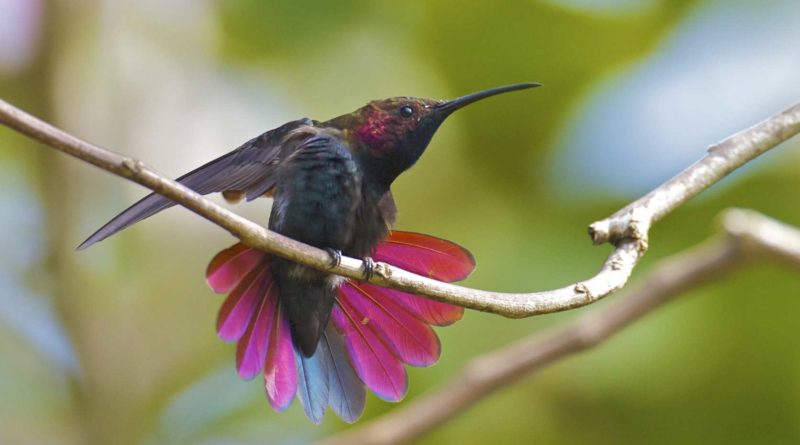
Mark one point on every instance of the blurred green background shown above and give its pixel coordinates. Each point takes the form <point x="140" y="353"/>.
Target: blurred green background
<point x="116" y="344"/>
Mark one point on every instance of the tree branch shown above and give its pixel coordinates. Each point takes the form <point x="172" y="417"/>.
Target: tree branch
<point x="750" y="236"/>
<point x="627" y="229"/>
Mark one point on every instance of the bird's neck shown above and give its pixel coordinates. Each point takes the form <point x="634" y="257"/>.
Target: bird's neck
<point x="381" y="161"/>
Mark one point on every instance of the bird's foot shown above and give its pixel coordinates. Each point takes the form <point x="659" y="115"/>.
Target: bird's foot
<point x="369" y="267"/>
<point x="336" y="256"/>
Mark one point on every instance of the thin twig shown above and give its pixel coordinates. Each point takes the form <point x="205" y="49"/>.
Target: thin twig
<point x="751" y="236"/>
<point x="635" y="219"/>
<point x="627" y="229"/>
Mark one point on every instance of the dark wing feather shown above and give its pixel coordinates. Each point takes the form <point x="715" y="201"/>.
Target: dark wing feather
<point x="250" y="169"/>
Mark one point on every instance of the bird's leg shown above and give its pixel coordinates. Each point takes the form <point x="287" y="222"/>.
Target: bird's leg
<point x="369" y="267"/>
<point x="336" y="256"/>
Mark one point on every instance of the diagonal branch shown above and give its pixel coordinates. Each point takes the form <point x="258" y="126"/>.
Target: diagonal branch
<point x="750" y="236"/>
<point x="626" y="229"/>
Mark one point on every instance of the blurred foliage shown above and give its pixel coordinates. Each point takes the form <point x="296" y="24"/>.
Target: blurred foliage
<point x="116" y="344"/>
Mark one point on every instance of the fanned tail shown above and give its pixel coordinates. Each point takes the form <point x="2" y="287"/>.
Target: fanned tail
<point x="374" y="330"/>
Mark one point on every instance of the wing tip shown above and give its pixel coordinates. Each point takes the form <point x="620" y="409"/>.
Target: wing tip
<point x="110" y="228"/>
<point x="88" y="242"/>
<point x="96" y="237"/>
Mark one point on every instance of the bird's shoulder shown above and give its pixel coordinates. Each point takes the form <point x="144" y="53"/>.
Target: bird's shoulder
<point x="277" y="151"/>
<point x="279" y="143"/>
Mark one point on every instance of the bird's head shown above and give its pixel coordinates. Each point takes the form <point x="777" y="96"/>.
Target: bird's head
<point x="391" y="134"/>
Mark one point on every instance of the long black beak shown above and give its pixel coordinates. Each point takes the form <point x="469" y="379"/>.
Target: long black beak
<point x="447" y="107"/>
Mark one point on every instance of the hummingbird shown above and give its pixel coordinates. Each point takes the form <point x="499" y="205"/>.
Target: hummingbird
<point x="313" y="334"/>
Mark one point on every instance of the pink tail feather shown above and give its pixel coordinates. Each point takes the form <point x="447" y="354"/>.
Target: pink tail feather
<point x="280" y="371"/>
<point x="409" y="339"/>
<point x="374" y="362"/>
<point x="251" y="350"/>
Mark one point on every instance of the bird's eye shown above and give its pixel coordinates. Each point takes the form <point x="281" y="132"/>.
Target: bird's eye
<point x="406" y="111"/>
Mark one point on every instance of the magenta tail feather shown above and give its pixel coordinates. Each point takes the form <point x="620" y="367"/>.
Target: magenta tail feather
<point x="237" y="310"/>
<point x="251" y="350"/>
<point x="426" y="255"/>
<point x="373" y="361"/>
<point x="229" y="267"/>
<point x="410" y="340"/>
<point x="280" y="371"/>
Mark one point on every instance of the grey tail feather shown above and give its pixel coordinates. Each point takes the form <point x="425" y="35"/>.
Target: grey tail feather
<point x="327" y="378"/>
<point x="312" y="384"/>
<point x="347" y="394"/>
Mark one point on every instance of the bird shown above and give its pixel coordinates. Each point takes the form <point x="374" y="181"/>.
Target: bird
<point x="313" y="334"/>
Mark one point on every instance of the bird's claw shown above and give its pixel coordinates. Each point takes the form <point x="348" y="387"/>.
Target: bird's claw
<point x="336" y="257"/>
<point x="369" y="268"/>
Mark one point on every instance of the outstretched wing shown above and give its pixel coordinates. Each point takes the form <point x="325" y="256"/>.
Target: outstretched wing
<point x="249" y="170"/>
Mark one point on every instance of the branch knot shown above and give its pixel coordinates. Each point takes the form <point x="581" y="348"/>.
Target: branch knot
<point x="583" y="289"/>
<point x="133" y="166"/>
